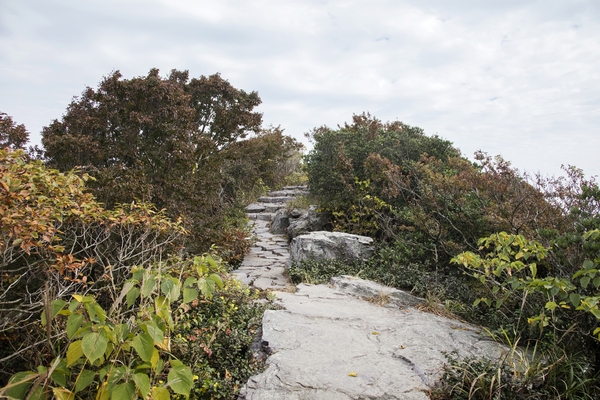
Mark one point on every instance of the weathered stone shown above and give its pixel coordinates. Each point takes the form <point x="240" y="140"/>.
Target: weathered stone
<point x="286" y="193"/>
<point x="302" y="188"/>
<point x="255" y="208"/>
<point x="265" y="216"/>
<point x="295" y="213"/>
<point x="267" y="199"/>
<point x="308" y="221"/>
<point x="273" y="207"/>
<point x="280" y="221"/>
<point x="243" y="277"/>
<point x="383" y="295"/>
<point x="325" y="245"/>
<point x="326" y="344"/>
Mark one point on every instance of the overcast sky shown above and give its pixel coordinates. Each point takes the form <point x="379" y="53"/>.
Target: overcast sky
<point x="517" y="78"/>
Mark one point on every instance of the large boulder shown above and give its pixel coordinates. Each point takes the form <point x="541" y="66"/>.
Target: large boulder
<point x="307" y="221"/>
<point x="323" y="245"/>
<point x="280" y="222"/>
<point x="327" y="345"/>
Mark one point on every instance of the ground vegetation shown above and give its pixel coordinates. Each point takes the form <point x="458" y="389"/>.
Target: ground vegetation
<point x="514" y="252"/>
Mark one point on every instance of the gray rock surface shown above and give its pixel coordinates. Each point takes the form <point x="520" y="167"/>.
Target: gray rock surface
<point x="255" y="208"/>
<point x="280" y="222"/>
<point x="264" y="265"/>
<point x="307" y="221"/>
<point x="323" y="245"/>
<point x="370" y="290"/>
<point x="327" y="344"/>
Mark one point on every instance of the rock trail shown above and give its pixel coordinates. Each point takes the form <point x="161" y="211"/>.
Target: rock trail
<point x="264" y="265"/>
<point x="328" y="342"/>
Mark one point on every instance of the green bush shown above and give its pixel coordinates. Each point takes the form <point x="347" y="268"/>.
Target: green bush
<point x="175" y="142"/>
<point x="57" y="240"/>
<point x="534" y="273"/>
<point x="114" y="300"/>
<point x="122" y="352"/>
<point x="214" y="338"/>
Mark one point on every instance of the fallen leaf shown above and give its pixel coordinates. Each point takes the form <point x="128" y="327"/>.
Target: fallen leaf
<point x="353" y="374"/>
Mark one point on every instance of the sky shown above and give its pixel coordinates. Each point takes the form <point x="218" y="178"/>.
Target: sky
<point x="520" y="79"/>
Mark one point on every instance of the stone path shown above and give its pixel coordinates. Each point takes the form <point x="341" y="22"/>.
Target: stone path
<point x="330" y="343"/>
<point x="264" y="265"/>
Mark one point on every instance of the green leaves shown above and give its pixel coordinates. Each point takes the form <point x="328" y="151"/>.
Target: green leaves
<point x="142" y="382"/>
<point x="20" y="384"/>
<point x="160" y="393"/>
<point x="93" y="346"/>
<point x="180" y="379"/>
<point x="73" y="324"/>
<point x="55" y="308"/>
<point x="171" y="287"/>
<point x="189" y="294"/>
<point x="124" y="359"/>
<point x="510" y="279"/>
<point x="74" y="352"/>
<point x="144" y="345"/>
<point x="124" y="391"/>
<point x="85" y="378"/>
<point x="575" y="299"/>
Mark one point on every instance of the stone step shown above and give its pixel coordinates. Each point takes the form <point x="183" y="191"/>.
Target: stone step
<point x="273" y="207"/>
<point x="286" y="193"/>
<point x="300" y="187"/>
<point x="267" y="199"/>
<point x="265" y="216"/>
<point x="255" y="208"/>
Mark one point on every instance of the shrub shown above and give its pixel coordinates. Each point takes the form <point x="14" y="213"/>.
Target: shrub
<point x="215" y="336"/>
<point x="56" y="240"/>
<point x="175" y="142"/>
<point x="122" y="352"/>
<point x="566" y="305"/>
<point x="517" y="375"/>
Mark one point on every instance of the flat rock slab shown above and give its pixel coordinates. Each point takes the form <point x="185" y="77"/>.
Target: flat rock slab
<point x="362" y="288"/>
<point x="255" y="208"/>
<point x="269" y="199"/>
<point x="327" y="344"/>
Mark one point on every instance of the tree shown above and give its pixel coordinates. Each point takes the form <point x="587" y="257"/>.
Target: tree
<point x="12" y="135"/>
<point x="342" y="172"/>
<point x="161" y="140"/>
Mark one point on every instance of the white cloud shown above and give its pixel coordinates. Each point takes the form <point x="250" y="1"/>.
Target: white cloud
<point x="513" y="77"/>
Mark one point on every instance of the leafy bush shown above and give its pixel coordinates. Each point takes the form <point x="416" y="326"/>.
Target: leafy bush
<point x="56" y="240"/>
<point x="568" y="305"/>
<point x="114" y="301"/>
<point x="394" y="183"/>
<point x="175" y="142"/>
<point x="534" y="273"/>
<point x="215" y="336"/>
<point x="123" y="352"/>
